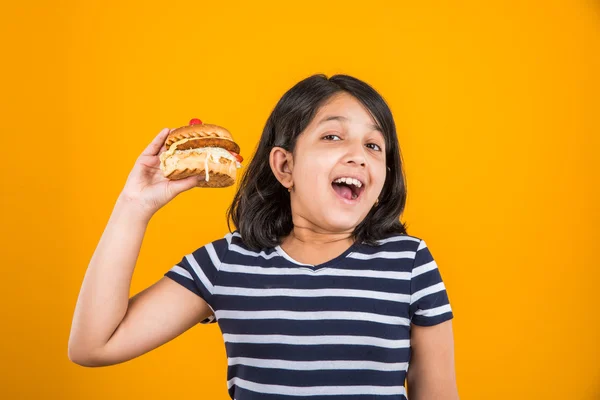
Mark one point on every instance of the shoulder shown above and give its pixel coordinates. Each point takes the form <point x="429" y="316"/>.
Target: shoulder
<point x="213" y="252"/>
<point x="394" y="252"/>
<point x="395" y="243"/>
<point x="411" y="250"/>
<point x="238" y="252"/>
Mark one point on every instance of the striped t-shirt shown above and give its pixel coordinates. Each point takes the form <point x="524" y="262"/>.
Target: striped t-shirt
<point x="337" y="330"/>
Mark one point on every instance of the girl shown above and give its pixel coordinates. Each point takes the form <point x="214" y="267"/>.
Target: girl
<point x="320" y="293"/>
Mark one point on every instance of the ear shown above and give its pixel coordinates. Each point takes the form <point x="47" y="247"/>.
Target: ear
<point x="282" y="164"/>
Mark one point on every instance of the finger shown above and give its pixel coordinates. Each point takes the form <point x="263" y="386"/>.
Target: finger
<point x="181" y="185"/>
<point x="155" y="146"/>
<point x="163" y="148"/>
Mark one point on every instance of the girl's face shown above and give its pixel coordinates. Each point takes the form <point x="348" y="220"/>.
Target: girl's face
<point x="342" y="141"/>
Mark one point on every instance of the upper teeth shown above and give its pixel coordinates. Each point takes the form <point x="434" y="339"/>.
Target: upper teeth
<point x="349" y="181"/>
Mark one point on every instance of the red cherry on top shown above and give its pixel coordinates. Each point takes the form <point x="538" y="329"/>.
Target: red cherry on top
<point x="195" y="121"/>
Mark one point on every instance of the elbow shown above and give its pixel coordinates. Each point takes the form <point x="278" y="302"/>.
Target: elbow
<point x="78" y="357"/>
<point x="82" y="357"/>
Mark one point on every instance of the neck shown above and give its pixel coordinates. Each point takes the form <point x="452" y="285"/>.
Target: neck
<point x="310" y="236"/>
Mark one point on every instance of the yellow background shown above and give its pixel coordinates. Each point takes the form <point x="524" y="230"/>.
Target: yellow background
<point x="497" y="107"/>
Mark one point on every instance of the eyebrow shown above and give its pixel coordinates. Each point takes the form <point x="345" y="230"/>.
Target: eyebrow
<point x="344" y="119"/>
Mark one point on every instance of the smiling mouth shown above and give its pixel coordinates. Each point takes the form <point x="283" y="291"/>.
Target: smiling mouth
<point x="349" y="189"/>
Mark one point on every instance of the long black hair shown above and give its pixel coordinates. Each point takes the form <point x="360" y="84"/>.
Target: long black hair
<point x="261" y="208"/>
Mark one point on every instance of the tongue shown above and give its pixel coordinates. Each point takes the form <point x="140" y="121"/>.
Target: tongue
<point x="343" y="190"/>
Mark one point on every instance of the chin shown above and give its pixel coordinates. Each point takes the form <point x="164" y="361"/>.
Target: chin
<point x="341" y="224"/>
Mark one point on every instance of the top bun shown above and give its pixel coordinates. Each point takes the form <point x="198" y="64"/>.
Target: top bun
<point x="207" y="135"/>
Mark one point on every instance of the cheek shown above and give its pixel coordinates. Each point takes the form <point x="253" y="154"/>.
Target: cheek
<point x="314" y="166"/>
<point x="312" y="178"/>
<point x="324" y="158"/>
<point x="379" y="179"/>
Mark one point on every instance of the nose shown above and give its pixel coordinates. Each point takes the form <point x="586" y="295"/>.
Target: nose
<point x="355" y="154"/>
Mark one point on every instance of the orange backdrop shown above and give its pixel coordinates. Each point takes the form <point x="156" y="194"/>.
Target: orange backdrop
<point x="497" y="110"/>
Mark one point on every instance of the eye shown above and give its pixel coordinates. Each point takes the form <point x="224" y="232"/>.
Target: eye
<point x="330" y="136"/>
<point x="377" y="148"/>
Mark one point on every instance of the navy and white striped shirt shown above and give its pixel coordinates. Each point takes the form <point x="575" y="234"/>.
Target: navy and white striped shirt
<point x="338" y="330"/>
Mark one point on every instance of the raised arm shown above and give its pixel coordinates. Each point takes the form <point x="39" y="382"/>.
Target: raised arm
<point x="107" y="326"/>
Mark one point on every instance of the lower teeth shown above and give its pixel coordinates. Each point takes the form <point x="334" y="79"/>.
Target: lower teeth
<point x="354" y="196"/>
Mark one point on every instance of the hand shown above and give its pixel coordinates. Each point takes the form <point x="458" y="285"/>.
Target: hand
<point x="146" y="185"/>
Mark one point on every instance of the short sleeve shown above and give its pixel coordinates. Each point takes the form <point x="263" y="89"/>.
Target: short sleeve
<point x="429" y="303"/>
<point x="198" y="272"/>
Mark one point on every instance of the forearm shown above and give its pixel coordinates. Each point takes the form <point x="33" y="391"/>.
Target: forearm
<point x="104" y="295"/>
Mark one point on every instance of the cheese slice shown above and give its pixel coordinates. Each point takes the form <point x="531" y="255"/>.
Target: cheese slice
<point x="213" y="154"/>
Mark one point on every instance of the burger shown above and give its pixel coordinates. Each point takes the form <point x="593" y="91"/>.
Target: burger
<point x="201" y="149"/>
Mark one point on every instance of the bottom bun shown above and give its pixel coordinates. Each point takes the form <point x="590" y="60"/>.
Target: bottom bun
<point x="221" y="174"/>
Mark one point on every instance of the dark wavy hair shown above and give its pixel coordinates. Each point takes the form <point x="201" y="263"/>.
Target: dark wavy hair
<point x="261" y="208"/>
